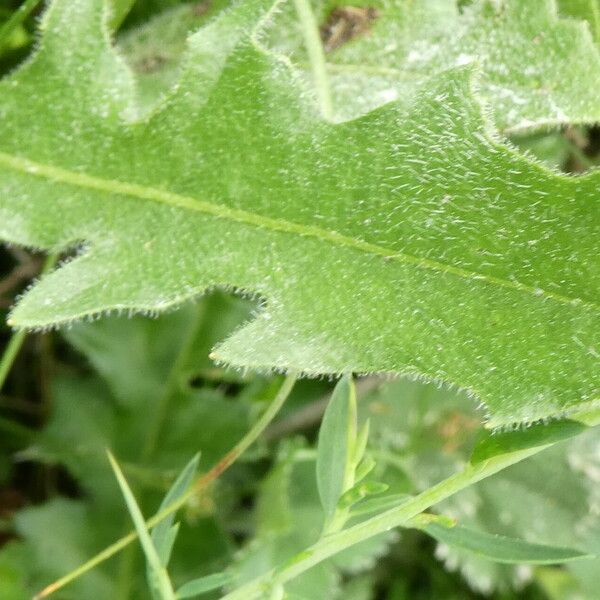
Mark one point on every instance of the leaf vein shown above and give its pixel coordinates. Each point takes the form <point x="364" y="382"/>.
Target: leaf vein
<point x="110" y="186"/>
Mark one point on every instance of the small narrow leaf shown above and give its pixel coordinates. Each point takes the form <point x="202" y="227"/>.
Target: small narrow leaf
<point x="202" y="585"/>
<point x="166" y="546"/>
<point x="361" y="442"/>
<point x="424" y="519"/>
<point x="160" y="582"/>
<point x="381" y="504"/>
<point x="499" y="548"/>
<point x="336" y="440"/>
<point x="493" y="444"/>
<point x="360" y="491"/>
<point x="162" y="534"/>
<point x="364" y="468"/>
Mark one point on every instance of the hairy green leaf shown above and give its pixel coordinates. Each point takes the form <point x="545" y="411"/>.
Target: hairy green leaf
<point x="386" y="50"/>
<point x="155" y="49"/>
<point x="537" y="69"/>
<point x="409" y="240"/>
<point x="589" y="10"/>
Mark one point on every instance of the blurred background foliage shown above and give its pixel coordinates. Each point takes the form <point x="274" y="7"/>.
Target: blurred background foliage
<point x="146" y="389"/>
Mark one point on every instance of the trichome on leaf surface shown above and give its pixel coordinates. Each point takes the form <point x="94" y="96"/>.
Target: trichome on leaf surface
<point x="235" y="190"/>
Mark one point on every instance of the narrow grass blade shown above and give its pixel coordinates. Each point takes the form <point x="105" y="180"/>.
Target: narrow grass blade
<point x="161" y="583"/>
<point x="377" y="505"/>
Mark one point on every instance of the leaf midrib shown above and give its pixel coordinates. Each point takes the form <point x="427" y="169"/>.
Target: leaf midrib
<point x="110" y="186"/>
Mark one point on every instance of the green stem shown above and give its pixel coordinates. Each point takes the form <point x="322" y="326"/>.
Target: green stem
<point x="198" y="485"/>
<point x="17" y="339"/>
<point x="316" y="55"/>
<point x="16" y="19"/>
<point x="395" y="517"/>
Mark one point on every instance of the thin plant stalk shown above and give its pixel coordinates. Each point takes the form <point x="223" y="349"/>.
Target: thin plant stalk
<point x="164" y="587"/>
<point x="316" y="55"/>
